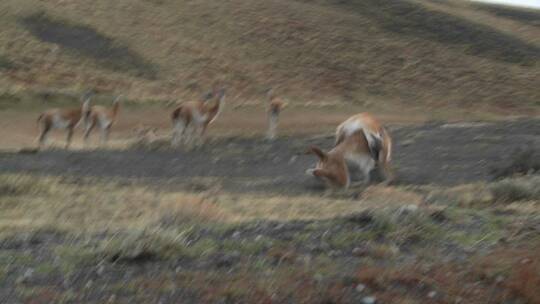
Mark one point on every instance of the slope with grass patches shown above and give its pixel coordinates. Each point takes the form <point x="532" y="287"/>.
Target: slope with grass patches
<point x="376" y="53"/>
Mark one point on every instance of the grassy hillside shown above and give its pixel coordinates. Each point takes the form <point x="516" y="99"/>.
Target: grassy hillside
<point x="372" y="52"/>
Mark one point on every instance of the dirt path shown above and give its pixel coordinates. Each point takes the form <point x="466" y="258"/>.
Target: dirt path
<point x="432" y="153"/>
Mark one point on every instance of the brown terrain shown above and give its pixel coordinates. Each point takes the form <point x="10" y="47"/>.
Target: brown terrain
<point x="237" y="220"/>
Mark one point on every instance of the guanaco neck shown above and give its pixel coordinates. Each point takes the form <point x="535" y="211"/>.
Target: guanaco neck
<point x="338" y="153"/>
<point x="115" y="109"/>
<point x="216" y="109"/>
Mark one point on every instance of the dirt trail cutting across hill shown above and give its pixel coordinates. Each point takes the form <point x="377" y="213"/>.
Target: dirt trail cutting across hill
<point x="443" y="154"/>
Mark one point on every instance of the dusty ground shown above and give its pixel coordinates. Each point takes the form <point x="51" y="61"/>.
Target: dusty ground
<point x="238" y="221"/>
<point x="434" y="153"/>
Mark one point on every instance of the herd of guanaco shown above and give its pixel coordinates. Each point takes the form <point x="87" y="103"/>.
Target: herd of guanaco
<point x="361" y="141"/>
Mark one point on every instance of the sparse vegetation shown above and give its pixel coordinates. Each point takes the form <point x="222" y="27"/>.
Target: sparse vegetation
<point x="237" y="220"/>
<point x="126" y="233"/>
<point x="511" y="190"/>
<point x="371" y="53"/>
<point x="5" y="64"/>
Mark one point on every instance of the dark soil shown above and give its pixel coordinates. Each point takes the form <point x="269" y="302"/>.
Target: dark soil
<point x="433" y="153"/>
<point x="83" y="40"/>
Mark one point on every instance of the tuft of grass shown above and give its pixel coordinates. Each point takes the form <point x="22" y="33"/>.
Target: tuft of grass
<point x="6" y="64"/>
<point x="142" y="246"/>
<point x="518" y="189"/>
<point x="522" y="161"/>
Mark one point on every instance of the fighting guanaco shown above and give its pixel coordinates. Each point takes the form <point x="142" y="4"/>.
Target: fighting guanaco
<point x="275" y="106"/>
<point x="103" y="118"/>
<point x="62" y="119"/>
<point x="192" y="118"/>
<point x="361" y="142"/>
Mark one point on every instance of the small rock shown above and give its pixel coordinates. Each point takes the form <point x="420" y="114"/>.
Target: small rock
<point x="499" y="279"/>
<point x="432" y="294"/>
<point x="306" y="259"/>
<point x="227" y="260"/>
<point x="279" y="226"/>
<point x="360" y="252"/>
<point x="100" y="270"/>
<point x="236" y="235"/>
<point x="407" y="209"/>
<point x="89" y="284"/>
<point x="525" y="261"/>
<point x="293" y="159"/>
<point x="178" y="269"/>
<point x="439" y="216"/>
<point x="360" y="287"/>
<point x="66" y="283"/>
<point x="407" y="142"/>
<point x="369" y="300"/>
<point x="362" y="218"/>
<point x="26" y="276"/>
<point x="334" y="253"/>
<point x="258" y="238"/>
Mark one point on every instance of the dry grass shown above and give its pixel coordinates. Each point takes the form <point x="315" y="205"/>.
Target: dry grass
<point x="417" y="54"/>
<point x="31" y="202"/>
<point x="246" y="247"/>
<point x="502" y="275"/>
<point x="510" y="190"/>
<point x="89" y="206"/>
<point x="92" y="206"/>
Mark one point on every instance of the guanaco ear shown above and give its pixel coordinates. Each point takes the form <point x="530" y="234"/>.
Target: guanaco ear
<point x="315" y="150"/>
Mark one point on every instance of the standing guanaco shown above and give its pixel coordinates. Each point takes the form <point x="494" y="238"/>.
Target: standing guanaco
<point x="275" y="106"/>
<point x="192" y="118"/>
<point x="63" y="119"/>
<point x="103" y="118"/>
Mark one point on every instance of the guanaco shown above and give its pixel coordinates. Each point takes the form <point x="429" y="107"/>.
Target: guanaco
<point x="361" y="142"/>
<point x="63" y="119"/>
<point x="103" y="118"/>
<point x="275" y="106"/>
<point x="192" y="118"/>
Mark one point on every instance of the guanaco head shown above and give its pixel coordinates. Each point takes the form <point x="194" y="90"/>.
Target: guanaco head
<point x="275" y="104"/>
<point x="331" y="168"/>
<point x="208" y="96"/>
<point x="220" y="94"/>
